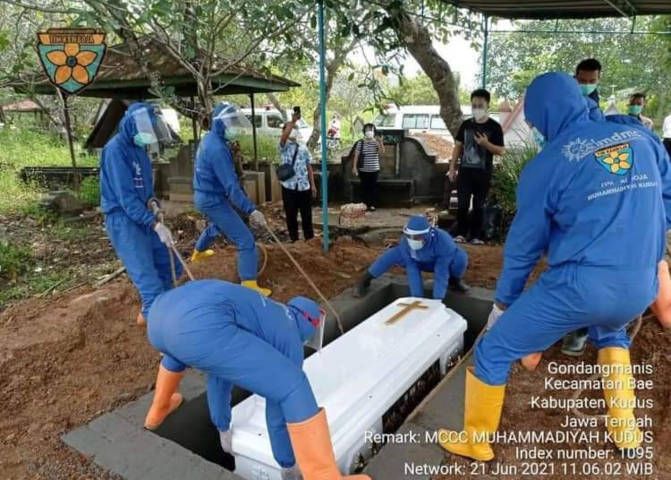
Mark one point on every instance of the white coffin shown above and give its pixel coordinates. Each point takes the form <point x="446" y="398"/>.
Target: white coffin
<point x="356" y="378"/>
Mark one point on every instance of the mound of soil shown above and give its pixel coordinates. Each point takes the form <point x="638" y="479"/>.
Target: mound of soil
<point x="68" y="359"/>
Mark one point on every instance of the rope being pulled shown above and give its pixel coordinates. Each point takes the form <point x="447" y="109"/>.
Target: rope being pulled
<point x="309" y="280"/>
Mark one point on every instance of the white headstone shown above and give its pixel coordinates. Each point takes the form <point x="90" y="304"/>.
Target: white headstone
<point x="357" y="378"/>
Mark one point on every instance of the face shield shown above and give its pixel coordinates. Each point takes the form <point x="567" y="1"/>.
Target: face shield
<point x="152" y="130"/>
<point x="317" y="340"/>
<point x="416" y="241"/>
<point x="234" y="122"/>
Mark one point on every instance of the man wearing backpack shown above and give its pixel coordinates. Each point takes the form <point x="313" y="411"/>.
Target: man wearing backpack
<point x="366" y="164"/>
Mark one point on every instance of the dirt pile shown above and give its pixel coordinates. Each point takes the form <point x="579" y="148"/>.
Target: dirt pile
<point x="439" y="146"/>
<point x="66" y="360"/>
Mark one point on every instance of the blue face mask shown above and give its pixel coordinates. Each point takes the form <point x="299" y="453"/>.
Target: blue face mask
<point x="539" y="139"/>
<point x="635" y="109"/>
<point x="232" y="133"/>
<point x="587" y="88"/>
<point x="142" y="139"/>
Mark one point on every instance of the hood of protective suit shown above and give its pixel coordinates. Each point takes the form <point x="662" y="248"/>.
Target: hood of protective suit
<point x="553" y="102"/>
<point x="300" y="308"/>
<point x="127" y="126"/>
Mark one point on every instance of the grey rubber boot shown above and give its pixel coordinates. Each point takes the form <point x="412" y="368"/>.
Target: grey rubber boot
<point x="574" y="343"/>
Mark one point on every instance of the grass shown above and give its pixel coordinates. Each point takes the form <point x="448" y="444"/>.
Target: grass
<point x="14" y="261"/>
<point x="34" y="283"/>
<point x="27" y="146"/>
<point x="267" y="147"/>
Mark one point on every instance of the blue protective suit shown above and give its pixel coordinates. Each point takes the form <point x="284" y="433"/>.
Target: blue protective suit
<point x="217" y="193"/>
<point x="238" y="337"/>
<point x="439" y="255"/>
<point x="593" y="200"/>
<point x="126" y="185"/>
<point x="595" y="113"/>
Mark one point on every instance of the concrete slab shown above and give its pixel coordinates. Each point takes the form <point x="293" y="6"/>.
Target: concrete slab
<point x="128" y="450"/>
<point x="381" y="218"/>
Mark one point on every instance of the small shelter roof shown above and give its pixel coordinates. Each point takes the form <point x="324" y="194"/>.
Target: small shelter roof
<point x="121" y="77"/>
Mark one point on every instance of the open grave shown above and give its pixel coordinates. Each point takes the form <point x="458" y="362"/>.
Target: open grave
<point x="187" y="444"/>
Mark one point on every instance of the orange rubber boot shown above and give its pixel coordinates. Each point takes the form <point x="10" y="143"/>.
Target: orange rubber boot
<point x="661" y="307"/>
<point x="166" y="398"/>
<point x="531" y="361"/>
<point x="311" y="441"/>
<point x="140" y="319"/>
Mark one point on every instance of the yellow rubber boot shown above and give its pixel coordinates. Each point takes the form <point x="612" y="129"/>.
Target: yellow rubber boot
<point x="255" y="286"/>
<point x="482" y="413"/>
<point x="166" y="398"/>
<point x="620" y="398"/>
<point x="311" y="441"/>
<point x="197" y="256"/>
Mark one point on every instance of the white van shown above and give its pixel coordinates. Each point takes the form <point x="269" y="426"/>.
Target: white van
<point x="416" y="119"/>
<point x="427" y="119"/>
<point x="269" y="122"/>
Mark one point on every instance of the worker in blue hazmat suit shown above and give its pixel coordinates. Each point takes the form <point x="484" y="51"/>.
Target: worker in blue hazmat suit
<point x="217" y="194"/>
<point x="239" y="337"/>
<point x="422" y="248"/>
<point x="126" y="196"/>
<point x="595" y="201"/>
<point x="574" y="344"/>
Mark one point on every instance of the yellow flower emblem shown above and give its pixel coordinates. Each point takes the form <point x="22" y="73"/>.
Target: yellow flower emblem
<point x="617" y="161"/>
<point x="71" y="63"/>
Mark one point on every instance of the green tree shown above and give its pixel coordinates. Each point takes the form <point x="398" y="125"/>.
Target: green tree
<point x="631" y="62"/>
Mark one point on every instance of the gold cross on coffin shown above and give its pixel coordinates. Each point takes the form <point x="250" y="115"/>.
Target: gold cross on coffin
<point x="408" y="307"/>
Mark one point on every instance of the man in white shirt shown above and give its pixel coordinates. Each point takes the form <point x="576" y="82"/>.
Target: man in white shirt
<point x="666" y="134"/>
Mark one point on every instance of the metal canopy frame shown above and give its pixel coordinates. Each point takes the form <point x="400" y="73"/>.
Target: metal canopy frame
<point x="568" y="9"/>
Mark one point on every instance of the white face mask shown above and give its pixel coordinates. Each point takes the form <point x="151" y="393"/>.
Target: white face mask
<point x="369" y="134"/>
<point x="479" y="113"/>
<point x="416" y="244"/>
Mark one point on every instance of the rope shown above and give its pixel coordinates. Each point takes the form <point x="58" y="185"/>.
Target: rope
<point x="305" y="275"/>
<point x="264" y="250"/>
<point x="577" y="393"/>
<point x="158" y="213"/>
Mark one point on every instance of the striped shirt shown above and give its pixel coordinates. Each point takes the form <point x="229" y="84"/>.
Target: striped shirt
<point x="369" y="155"/>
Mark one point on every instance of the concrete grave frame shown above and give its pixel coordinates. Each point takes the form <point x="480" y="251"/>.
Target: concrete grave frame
<point x="117" y="442"/>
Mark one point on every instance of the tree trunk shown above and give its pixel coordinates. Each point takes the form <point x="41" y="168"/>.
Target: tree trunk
<point x="332" y="69"/>
<point x="278" y="105"/>
<point x="418" y="41"/>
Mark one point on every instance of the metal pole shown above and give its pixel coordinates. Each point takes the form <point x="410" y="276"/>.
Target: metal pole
<point x="485" y="49"/>
<point x="256" y="155"/>
<point x="322" y="122"/>
<point x="68" y="131"/>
